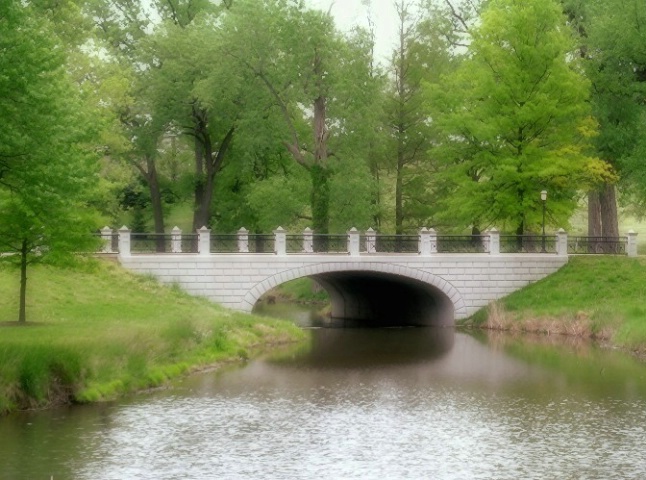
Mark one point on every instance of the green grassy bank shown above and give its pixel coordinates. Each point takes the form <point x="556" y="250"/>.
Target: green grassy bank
<point x="598" y="297"/>
<point x="96" y="332"/>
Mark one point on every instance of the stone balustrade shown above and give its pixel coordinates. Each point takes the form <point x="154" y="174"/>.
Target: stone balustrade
<point x="427" y="242"/>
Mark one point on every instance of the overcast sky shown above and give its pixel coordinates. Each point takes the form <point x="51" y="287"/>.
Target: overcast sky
<point x="349" y="13"/>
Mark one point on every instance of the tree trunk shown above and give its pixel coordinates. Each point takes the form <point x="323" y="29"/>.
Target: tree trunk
<point x="376" y="199"/>
<point x="609" y="217"/>
<point x="317" y="164"/>
<point x="320" y="171"/>
<point x="156" y="202"/>
<point x="320" y="199"/>
<point x="520" y="231"/>
<point x="399" y="194"/>
<point x="198" y="193"/>
<point x="210" y="165"/>
<point x="594" y="214"/>
<point x="22" y="311"/>
<point x="401" y="82"/>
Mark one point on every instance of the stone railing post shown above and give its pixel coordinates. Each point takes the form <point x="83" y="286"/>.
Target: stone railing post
<point x="432" y="238"/>
<point x="561" y="242"/>
<point x="308" y="240"/>
<point x="353" y="242"/>
<point x="486" y="242"/>
<point x="124" y="241"/>
<point x="494" y="242"/>
<point x="243" y="240"/>
<point x="106" y="238"/>
<point x="176" y="240"/>
<point x="371" y="241"/>
<point x="424" y="242"/>
<point x="631" y="248"/>
<point x="204" y="241"/>
<point x="280" y="241"/>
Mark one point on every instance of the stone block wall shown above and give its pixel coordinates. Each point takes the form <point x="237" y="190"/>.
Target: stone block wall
<point x="469" y="281"/>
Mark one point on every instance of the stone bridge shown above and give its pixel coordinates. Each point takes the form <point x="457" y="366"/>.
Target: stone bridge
<point x="382" y="279"/>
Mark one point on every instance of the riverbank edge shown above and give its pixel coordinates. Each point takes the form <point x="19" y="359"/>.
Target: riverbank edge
<point x="546" y="331"/>
<point x="499" y="320"/>
<point x="158" y="377"/>
<point x="42" y="368"/>
<point x="594" y="305"/>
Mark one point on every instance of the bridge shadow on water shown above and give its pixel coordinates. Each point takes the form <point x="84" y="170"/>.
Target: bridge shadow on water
<point x="356" y="348"/>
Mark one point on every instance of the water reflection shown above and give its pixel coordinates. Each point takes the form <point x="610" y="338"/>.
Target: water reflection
<point x="582" y="365"/>
<point x="391" y="403"/>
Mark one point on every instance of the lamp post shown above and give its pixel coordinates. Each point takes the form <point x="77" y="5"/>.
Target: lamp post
<point x="544" y="200"/>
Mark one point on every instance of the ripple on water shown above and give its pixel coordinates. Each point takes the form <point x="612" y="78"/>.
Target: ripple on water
<point x="430" y="433"/>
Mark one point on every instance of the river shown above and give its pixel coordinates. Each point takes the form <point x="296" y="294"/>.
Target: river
<point x="358" y="403"/>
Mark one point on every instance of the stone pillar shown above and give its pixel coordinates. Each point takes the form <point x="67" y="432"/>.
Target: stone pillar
<point x="494" y="242"/>
<point x="486" y="247"/>
<point x="308" y="240"/>
<point x="353" y="242"/>
<point x="106" y="238"/>
<point x="280" y="241"/>
<point x="432" y="239"/>
<point x="243" y="240"/>
<point x="371" y="241"/>
<point x="204" y="241"/>
<point x="176" y="240"/>
<point x="424" y="242"/>
<point x="631" y="248"/>
<point x="124" y="241"/>
<point x="561" y="242"/>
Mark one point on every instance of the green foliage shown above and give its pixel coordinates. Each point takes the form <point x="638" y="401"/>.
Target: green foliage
<point x="351" y="190"/>
<point x="516" y="120"/>
<point x="280" y="201"/>
<point x="421" y="55"/>
<point x="323" y="110"/>
<point x="616" y="64"/>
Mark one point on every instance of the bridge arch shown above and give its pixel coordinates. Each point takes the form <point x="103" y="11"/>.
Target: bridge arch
<point x="366" y="291"/>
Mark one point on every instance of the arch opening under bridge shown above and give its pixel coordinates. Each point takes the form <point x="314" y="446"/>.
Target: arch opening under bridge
<point x="377" y="297"/>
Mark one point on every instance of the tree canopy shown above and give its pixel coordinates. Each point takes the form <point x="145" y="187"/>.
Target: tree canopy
<point x="516" y="120"/>
<point x="260" y="113"/>
<point x="46" y="163"/>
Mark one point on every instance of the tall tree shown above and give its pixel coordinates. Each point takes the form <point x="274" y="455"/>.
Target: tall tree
<point x="611" y="42"/>
<point x="297" y="55"/>
<point x="359" y="136"/>
<point x="516" y="120"/>
<point x="116" y="67"/>
<point x="198" y="96"/>
<point x="125" y="28"/>
<point x="421" y="56"/>
<point x="45" y="164"/>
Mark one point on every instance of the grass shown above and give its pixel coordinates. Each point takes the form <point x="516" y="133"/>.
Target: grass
<point x="96" y="332"/>
<point x="602" y="297"/>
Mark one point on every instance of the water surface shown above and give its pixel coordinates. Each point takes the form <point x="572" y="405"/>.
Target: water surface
<point x="390" y="403"/>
